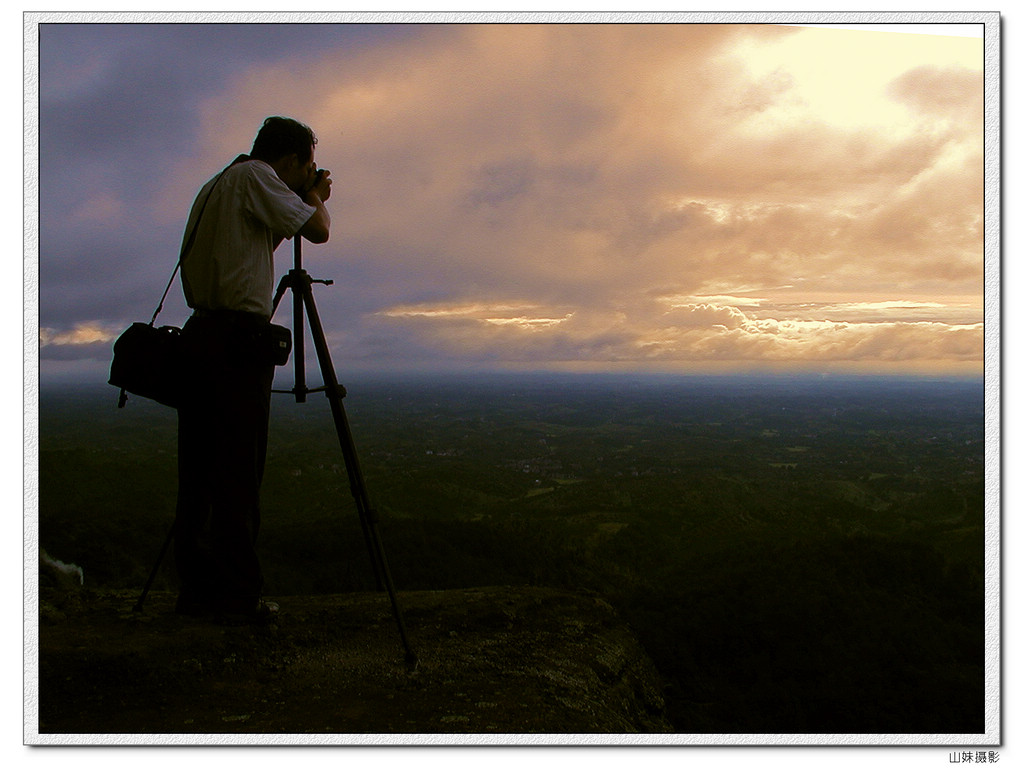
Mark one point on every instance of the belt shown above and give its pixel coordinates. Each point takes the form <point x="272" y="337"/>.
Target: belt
<point x="236" y="317"/>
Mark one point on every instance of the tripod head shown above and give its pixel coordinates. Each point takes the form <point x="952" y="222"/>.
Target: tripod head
<point x="301" y="285"/>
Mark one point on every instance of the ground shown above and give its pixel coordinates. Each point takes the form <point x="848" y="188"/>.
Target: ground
<point x="489" y="661"/>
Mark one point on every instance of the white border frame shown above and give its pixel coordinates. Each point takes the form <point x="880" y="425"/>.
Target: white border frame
<point x="938" y="22"/>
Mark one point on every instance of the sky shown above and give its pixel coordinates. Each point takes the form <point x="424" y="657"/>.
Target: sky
<point x="684" y="198"/>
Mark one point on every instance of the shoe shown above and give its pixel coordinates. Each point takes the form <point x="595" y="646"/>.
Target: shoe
<point x="263" y="613"/>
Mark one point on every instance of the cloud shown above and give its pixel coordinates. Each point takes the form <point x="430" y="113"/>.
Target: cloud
<point x="82" y="334"/>
<point x="84" y="342"/>
<point x="684" y="334"/>
<point x="102" y="210"/>
<point x="630" y="175"/>
<point x="950" y="95"/>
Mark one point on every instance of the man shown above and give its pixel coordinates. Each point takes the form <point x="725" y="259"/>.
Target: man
<point x="238" y="220"/>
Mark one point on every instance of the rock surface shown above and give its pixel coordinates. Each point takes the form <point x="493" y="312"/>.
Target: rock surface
<point x="491" y="661"/>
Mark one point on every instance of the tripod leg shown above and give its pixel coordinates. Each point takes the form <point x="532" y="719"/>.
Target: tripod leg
<point x="156" y="568"/>
<point x="367" y="515"/>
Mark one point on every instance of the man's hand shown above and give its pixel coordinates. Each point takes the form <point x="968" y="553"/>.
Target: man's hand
<point x="319" y="184"/>
<point x="317" y="228"/>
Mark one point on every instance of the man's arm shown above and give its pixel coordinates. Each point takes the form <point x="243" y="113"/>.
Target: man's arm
<point x="317" y="228"/>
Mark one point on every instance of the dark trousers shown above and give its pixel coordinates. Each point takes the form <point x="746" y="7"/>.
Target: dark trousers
<point x="222" y="449"/>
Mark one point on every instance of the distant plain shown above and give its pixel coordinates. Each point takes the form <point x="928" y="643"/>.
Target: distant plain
<point x="796" y="554"/>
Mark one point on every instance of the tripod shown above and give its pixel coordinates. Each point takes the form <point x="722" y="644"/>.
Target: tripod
<point x="301" y="286"/>
<point x="304" y="308"/>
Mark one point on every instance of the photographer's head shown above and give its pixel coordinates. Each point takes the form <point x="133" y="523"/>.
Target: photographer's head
<point x="280" y="136"/>
<point x="287" y="145"/>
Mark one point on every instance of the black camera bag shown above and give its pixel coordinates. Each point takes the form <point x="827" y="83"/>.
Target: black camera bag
<point x="148" y="362"/>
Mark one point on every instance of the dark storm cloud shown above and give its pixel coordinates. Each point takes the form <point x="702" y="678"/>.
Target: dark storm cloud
<point x="118" y="107"/>
<point x="123" y="88"/>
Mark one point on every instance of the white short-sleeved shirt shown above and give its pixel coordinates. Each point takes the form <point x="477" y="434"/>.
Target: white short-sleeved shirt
<point x="230" y="265"/>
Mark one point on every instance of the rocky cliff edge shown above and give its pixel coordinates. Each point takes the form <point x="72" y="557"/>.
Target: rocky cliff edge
<point x="491" y="661"/>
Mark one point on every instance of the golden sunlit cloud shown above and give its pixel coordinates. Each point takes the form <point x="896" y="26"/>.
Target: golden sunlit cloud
<point x="495" y="314"/>
<point x="691" y="333"/>
<point x="83" y="333"/>
<point x="528" y="323"/>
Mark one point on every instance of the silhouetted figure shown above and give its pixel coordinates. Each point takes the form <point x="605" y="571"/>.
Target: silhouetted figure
<point x="239" y="217"/>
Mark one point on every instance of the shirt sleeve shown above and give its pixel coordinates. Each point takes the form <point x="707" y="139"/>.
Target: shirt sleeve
<point x="272" y="203"/>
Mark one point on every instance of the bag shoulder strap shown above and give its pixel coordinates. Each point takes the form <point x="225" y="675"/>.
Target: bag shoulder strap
<point x="187" y="245"/>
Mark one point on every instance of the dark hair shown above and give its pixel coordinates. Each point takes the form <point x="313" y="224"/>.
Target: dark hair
<point x="280" y="136"/>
